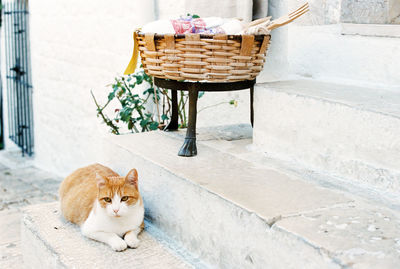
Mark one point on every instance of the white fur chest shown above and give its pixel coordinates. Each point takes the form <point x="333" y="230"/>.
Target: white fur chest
<point x="100" y="221"/>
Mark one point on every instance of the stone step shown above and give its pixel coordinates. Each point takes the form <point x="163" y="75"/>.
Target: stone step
<point x="347" y="131"/>
<point x="50" y="242"/>
<point x="233" y="212"/>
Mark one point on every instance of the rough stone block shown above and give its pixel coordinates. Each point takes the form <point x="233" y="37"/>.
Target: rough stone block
<point x="347" y="131"/>
<point x="50" y="242"/>
<point x="227" y="209"/>
<point x="370" y="11"/>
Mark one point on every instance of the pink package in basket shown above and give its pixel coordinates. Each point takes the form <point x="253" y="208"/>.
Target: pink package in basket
<point x="193" y="26"/>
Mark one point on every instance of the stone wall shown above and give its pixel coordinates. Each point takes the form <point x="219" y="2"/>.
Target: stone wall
<point x="77" y="47"/>
<point x="394" y="12"/>
<point x="81" y="46"/>
<point x="321" y="12"/>
<point x="321" y="47"/>
<point x="223" y="8"/>
<point x="371" y="11"/>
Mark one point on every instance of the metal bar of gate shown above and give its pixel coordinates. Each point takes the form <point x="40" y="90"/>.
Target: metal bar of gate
<point x="10" y="53"/>
<point x="19" y="89"/>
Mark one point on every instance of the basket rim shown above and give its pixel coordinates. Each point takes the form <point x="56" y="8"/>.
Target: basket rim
<point x="207" y="36"/>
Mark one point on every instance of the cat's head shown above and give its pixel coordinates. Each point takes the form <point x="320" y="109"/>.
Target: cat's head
<point x="117" y="194"/>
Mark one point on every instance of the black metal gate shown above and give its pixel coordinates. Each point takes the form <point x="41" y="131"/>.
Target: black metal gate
<point x="1" y="87"/>
<point x="19" y="89"/>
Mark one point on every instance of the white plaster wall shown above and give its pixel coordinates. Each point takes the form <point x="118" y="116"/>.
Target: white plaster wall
<point x="81" y="46"/>
<point x="276" y="65"/>
<point x="314" y="46"/>
<point x="77" y="46"/>
<point x="322" y="52"/>
<point x="168" y="9"/>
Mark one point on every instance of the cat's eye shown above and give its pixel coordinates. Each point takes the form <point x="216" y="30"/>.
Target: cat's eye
<point x="124" y="198"/>
<point x="107" y="199"/>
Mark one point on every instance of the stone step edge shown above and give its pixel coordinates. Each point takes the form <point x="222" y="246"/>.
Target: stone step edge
<point x="173" y="246"/>
<point x="318" y="134"/>
<point x="339" y="183"/>
<point x="340" y="96"/>
<point x="272" y="223"/>
<point x="157" y="234"/>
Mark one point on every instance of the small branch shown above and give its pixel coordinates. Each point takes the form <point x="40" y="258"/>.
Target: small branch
<point x="206" y="107"/>
<point x="156" y="99"/>
<point x="105" y="119"/>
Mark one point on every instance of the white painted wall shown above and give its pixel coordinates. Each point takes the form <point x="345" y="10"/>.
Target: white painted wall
<point x="322" y="52"/>
<point x="224" y="8"/>
<point x="81" y="46"/>
<point x="315" y="46"/>
<point x="77" y="47"/>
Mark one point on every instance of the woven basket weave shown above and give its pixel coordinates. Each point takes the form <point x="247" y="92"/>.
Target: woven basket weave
<point x="211" y="58"/>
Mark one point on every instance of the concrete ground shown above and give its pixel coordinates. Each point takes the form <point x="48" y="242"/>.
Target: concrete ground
<point x="21" y="184"/>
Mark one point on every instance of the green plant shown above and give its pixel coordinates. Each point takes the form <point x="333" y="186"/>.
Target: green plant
<point x="133" y="110"/>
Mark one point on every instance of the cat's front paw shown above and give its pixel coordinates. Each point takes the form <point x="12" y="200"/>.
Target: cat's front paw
<point x="118" y="244"/>
<point x="132" y="240"/>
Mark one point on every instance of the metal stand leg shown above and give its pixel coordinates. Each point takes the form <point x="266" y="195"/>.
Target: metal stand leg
<point x="173" y="124"/>
<point x="251" y="106"/>
<point x="189" y="148"/>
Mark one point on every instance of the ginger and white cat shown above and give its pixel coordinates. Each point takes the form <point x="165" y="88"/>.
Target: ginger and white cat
<point x="107" y="207"/>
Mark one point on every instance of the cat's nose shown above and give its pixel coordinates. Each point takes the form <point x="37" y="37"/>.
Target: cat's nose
<point x="116" y="211"/>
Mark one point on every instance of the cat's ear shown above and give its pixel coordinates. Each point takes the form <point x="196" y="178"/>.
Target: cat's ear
<point x="132" y="177"/>
<point x="101" y="181"/>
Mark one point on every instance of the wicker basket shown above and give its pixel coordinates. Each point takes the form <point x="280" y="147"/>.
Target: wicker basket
<point x="211" y="58"/>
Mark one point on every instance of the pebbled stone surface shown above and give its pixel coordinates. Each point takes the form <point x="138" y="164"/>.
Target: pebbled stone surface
<point x="59" y="244"/>
<point x="20" y="185"/>
<point x="253" y="213"/>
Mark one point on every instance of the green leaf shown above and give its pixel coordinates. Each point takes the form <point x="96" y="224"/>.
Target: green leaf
<point x="164" y="117"/>
<point x="153" y="126"/>
<point x="111" y="96"/>
<point x="149" y="91"/>
<point x="130" y="125"/>
<point x="139" y="80"/>
<point x="144" y="122"/>
<point x="125" y="114"/>
<point x="201" y="94"/>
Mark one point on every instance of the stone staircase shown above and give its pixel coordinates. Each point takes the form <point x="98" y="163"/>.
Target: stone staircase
<point x="50" y="242"/>
<point x="317" y="187"/>
<point x="350" y="132"/>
